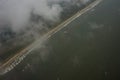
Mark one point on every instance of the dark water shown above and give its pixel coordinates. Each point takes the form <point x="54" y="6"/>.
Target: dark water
<point x="87" y="49"/>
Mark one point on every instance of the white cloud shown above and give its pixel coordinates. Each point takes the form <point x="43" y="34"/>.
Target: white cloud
<point x="18" y="12"/>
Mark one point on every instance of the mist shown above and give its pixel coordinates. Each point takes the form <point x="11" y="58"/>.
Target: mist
<point x="18" y="12"/>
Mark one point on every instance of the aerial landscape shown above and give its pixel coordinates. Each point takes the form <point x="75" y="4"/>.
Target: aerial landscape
<point x="59" y="40"/>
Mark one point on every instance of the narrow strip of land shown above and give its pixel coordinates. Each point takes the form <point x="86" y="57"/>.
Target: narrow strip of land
<point x="13" y="61"/>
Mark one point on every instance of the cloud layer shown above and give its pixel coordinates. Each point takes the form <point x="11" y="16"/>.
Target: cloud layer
<point x="18" y="12"/>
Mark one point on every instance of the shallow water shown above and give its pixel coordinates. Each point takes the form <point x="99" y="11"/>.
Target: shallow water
<point x="87" y="49"/>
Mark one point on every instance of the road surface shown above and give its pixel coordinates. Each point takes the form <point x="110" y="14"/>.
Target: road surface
<point x="15" y="60"/>
<point x="86" y="49"/>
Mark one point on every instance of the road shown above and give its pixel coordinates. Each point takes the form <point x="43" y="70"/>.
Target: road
<point x="15" y="60"/>
<point x="86" y="49"/>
